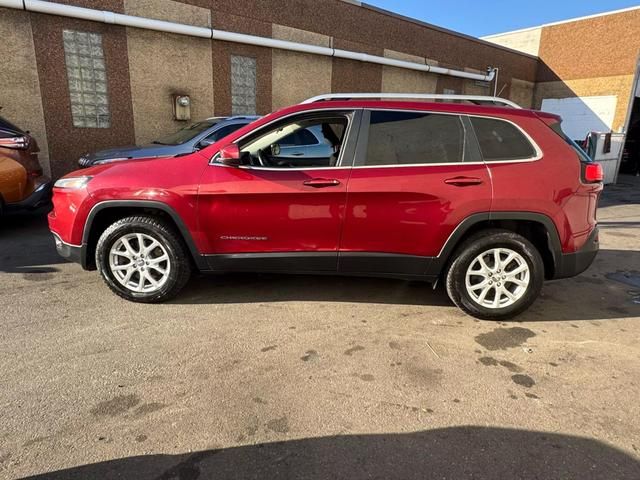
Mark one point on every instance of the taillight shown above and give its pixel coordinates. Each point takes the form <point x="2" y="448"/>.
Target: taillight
<point x="592" y="173"/>
<point x="21" y="142"/>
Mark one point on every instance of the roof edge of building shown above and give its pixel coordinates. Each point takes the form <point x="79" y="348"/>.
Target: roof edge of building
<point x="436" y="27"/>
<point x="561" y="22"/>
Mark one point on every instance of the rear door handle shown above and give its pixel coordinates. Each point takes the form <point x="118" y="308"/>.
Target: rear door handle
<point x="322" y="182"/>
<point x="463" y="181"/>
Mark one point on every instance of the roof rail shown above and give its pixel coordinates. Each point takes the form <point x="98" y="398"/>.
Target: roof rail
<point x="477" y="99"/>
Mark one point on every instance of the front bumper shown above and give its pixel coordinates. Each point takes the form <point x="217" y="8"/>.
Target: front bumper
<point x="572" y="264"/>
<point x="73" y="253"/>
<point x="40" y="197"/>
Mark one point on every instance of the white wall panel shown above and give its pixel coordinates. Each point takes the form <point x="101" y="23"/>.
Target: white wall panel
<point x="582" y="115"/>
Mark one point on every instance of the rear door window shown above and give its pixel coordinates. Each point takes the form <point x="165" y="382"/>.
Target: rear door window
<point x="406" y="138"/>
<point x="501" y="141"/>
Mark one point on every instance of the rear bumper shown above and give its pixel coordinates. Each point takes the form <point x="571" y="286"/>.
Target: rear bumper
<point x="41" y="197"/>
<point x="572" y="264"/>
<point x="73" y="253"/>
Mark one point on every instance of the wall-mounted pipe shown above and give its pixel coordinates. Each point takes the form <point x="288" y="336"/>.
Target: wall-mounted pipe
<point x="103" y="16"/>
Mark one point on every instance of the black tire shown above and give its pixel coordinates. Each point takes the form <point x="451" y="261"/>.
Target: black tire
<point x="164" y="233"/>
<point x="473" y="247"/>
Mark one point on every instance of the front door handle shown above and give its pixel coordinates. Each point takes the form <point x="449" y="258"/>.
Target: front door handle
<point x="322" y="182"/>
<point x="463" y="181"/>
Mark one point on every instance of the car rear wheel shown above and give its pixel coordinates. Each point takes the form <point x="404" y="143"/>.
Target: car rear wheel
<point x="142" y="259"/>
<point x="496" y="274"/>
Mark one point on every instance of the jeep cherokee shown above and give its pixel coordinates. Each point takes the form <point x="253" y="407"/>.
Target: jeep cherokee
<point x="489" y="198"/>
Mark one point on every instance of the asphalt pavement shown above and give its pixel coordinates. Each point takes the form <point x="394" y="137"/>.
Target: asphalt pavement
<point x="270" y="376"/>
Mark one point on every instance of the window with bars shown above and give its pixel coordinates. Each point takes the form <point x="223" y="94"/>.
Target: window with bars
<point x="87" y="78"/>
<point x="243" y="85"/>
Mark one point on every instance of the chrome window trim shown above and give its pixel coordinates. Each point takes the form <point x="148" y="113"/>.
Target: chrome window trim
<point x="275" y="169"/>
<point x="214" y="163"/>
<point x="420" y="165"/>
<point x="445" y="164"/>
<point x="537" y="157"/>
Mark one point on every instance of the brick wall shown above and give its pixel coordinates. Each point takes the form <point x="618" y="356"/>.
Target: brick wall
<point x="144" y="68"/>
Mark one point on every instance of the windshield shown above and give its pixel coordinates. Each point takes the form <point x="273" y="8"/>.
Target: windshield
<point x="187" y="133"/>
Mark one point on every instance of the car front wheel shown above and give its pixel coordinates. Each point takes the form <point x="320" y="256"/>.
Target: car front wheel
<point x="496" y="275"/>
<point x="142" y="259"/>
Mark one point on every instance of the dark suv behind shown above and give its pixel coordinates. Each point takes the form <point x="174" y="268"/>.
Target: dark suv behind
<point x="186" y="140"/>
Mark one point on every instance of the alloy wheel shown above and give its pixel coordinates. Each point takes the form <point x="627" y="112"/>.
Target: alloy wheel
<point x="139" y="262"/>
<point x="497" y="278"/>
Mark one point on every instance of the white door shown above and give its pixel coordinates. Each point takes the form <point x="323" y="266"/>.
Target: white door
<point x="582" y="115"/>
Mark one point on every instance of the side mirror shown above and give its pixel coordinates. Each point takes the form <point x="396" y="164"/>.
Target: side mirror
<point x="230" y="155"/>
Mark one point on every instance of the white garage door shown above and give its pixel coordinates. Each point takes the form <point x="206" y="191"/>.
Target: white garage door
<point x="582" y="115"/>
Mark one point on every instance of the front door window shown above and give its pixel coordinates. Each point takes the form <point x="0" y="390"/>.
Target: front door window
<point x="306" y="142"/>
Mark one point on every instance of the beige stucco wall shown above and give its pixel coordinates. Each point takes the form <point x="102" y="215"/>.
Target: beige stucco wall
<point x="20" y="96"/>
<point x="527" y="41"/>
<point x="521" y="92"/>
<point x="400" y="80"/>
<point x="163" y="64"/>
<point x="470" y="87"/>
<point x="298" y="76"/>
<point x="620" y="85"/>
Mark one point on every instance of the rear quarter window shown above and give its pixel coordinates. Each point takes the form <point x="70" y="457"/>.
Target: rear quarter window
<point x="501" y="141"/>
<point x="582" y="155"/>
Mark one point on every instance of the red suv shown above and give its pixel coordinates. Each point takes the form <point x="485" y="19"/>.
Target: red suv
<point x="489" y="198"/>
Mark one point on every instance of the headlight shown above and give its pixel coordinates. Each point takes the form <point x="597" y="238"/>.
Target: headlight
<point x="72" y="183"/>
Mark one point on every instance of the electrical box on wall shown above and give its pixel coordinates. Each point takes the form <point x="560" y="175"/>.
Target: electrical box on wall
<point x="182" y="107"/>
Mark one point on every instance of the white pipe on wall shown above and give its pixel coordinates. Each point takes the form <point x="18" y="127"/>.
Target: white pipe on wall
<point x="103" y="16"/>
<point x="269" y="42"/>
<point x="11" y="4"/>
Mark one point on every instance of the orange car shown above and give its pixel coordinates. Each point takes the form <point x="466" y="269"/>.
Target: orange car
<point x="22" y="185"/>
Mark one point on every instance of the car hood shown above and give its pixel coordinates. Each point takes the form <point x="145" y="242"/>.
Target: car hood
<point x="134" y="151"/>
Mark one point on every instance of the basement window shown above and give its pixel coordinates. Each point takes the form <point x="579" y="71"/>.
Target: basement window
<point x="243" y="85"/>
<point x="87" y="78"/>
